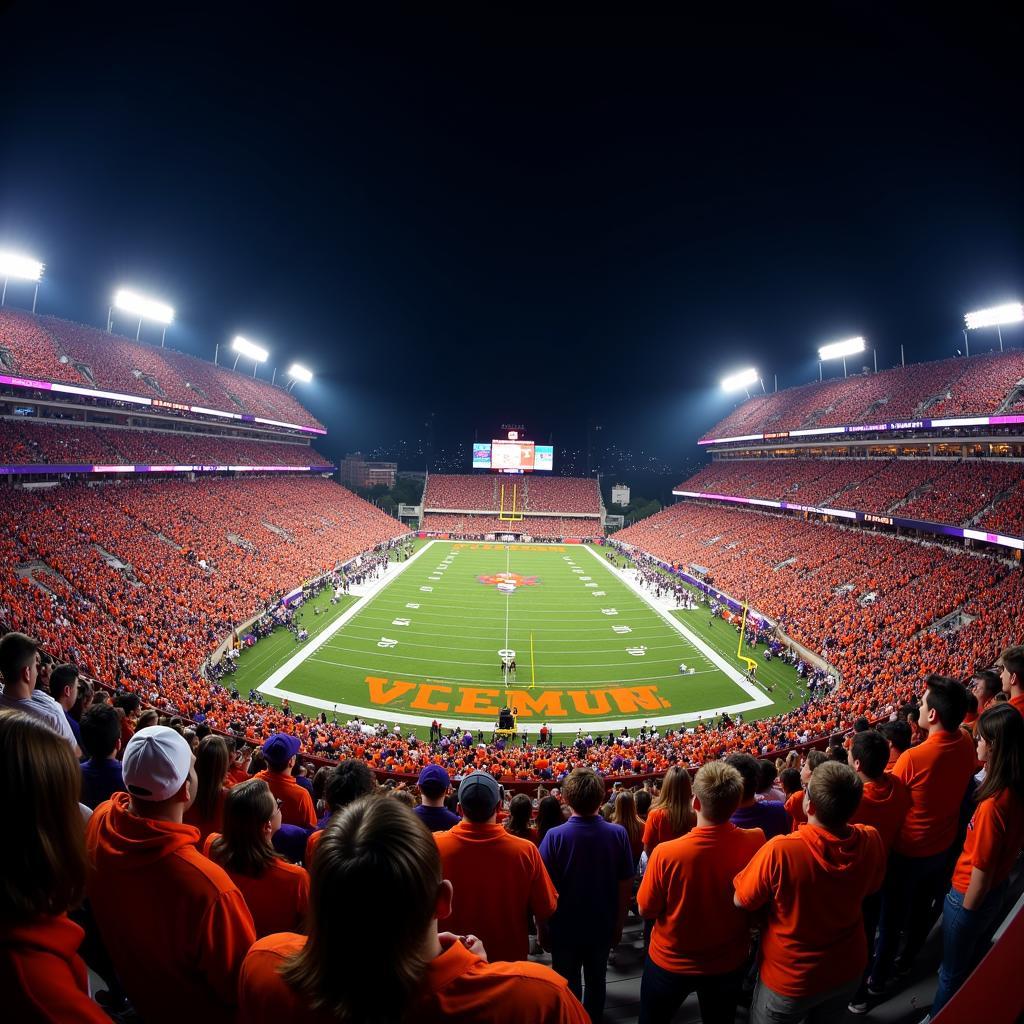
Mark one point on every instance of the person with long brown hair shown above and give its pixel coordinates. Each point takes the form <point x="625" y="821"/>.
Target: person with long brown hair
<point x="374" y="954"/>
<point x="520" y="810"/>
<point x="213" y="759"/>
<point x="672" y="813"/>
<point x="42" y="876"/>
<point x="276" y="892"/>
<point x="994" y="836"/>
<point x="625" y="814"/>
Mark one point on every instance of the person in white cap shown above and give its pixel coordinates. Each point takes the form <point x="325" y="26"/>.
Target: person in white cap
<point x="175" y="925"/>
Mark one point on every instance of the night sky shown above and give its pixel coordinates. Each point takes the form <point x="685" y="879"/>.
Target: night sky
<point x="539" y="220"/>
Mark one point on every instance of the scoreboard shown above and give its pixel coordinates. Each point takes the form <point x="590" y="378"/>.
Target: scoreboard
<point x="513" y="455"/>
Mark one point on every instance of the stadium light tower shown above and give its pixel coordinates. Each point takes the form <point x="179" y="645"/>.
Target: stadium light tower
<point x="145" y="309"/>
<point x="298" y="372"/>
<point x="21" y="268"/>
<point x="257" y="353"/>
<point x="994" y="316"/>
<point x="742" y="380"/>
<point x="840" y="350"/>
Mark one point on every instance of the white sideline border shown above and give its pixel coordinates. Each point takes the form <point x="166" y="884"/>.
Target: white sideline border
<point x="272" y="684"/>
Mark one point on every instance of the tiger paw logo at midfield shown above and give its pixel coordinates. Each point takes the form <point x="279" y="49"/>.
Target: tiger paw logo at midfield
<point x="508" y="581"/>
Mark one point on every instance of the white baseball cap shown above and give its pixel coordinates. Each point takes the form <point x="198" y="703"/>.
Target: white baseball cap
<point x="156" y="763"/>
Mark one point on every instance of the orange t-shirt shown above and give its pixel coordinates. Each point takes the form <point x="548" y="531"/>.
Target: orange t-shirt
<point x="278" y="899"/>
<point x="812" y="884"/>
<point x="687" y="891"/>
<point x="657" y="829"/>
<point x="894" y="756"/>
<point x="456" y="988"/>
<point x="994" y="837"/>
<point x="1018" y="702"/>
<point x="42" y="976"/>
<point x="795" y="809"/>
<point x="312" y="842"/>
<point x="207" y="824"/>
<point x="178" y="957"/>
<point x="937" y="772"/>
<point x="883" y="804"/>
<point x="296" y="803"/>
<point x="497" y="878"/>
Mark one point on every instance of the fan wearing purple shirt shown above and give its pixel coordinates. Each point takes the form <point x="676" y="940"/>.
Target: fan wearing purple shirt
<point x="769" y="815"/>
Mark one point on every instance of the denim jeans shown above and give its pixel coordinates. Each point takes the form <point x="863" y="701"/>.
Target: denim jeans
<point x="663" y="992"/>
<point x="591" y="959"/>
<point x="769" y="1007"/>
<point x="962" y="930"/>
<point x="912" y="884"/>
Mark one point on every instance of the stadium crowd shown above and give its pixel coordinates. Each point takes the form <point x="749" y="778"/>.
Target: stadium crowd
<point x="980" y="384"/>
<point x="254" y="873"/>
<point x="939" y="490"/>
<point x="46" y="348"/>
<point x="31" y="442"/>
<point x="547" y="527"/>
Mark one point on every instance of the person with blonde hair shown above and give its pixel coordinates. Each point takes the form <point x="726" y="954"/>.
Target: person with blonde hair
<point x="42" y="876"/>
<point x="213" y="760"/>
<point x="701" y="939"/>
<point x="671" y="814"/>
<point x="374" y="954"/>
<point x="625" y="814"/>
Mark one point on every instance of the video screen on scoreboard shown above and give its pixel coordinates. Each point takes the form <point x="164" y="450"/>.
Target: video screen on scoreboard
<point x="514" y="456"/>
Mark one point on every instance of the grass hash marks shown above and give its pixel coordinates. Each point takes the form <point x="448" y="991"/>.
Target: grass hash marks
<point x="426" y="646"/>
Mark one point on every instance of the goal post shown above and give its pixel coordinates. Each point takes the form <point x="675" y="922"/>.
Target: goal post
<point x="510" y="506"/>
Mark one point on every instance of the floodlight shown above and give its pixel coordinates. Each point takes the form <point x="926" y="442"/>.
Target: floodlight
<point x="741" y="380"/>
<point x="23" y="268"/>
<point x="145" y="309"/>
<point x="841" y="349"/>
<point x="249" y="350"/>
<point x="297" y="372"/>
<point x="1009" y="313"/>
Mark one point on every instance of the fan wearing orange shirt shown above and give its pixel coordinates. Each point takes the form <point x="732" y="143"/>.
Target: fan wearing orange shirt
<point x="812" y="883"/>
<point x="276" y="892"/>
<point x="701" y="939"/>
<point x="296" y="803"/>
<point x="500" y="877"/>
<point x="938" y="773"/>
<point x="994" y="838"/>
<point x="379" y="865"/>
<point x="1010" y="667"/>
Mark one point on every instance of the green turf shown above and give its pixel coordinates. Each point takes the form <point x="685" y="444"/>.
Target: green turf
<point x="445" y="663"/>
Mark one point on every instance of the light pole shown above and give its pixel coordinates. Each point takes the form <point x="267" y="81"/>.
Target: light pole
<point x="139" y="306"/>
<point x="840" y="350"/>
<point x="257" y="353"/>
<point x="21" y="268"/>
<point x="994" y="316"/>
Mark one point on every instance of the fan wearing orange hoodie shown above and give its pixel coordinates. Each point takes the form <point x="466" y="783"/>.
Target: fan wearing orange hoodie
<point x="175" y="925"/>
<point x="811" y="883"/>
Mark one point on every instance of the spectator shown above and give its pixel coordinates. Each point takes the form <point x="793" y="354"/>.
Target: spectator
<point x="768" y="815"/>
<point x="63" y="684"/>
<point x="19" y="667"/>
<point x="985" y="685"/>
<point x="937" y="773"/>
<point x="671" y="814"/>
<point x="625" y="815"/>
<point x="276" y="892"/>
<point x="766" y="787"/>
<point x="590" y="863"/>
<point x="1011" y="675"/>
<point x="42" y="876"/>
<point x="207" y="811"/>
<point x="179" y="958"/>
<point x="549" y="816"/>
<point x="347" y="782"/>
<point x="434" y="784"/>
<point x="897" y="735"/>
<point x="101" y="773"/>
<point x="793" y="791"/>
<point x="476" y="854"/>
<point x="378" y="866"/>
<point x="811" y="962"/>
<point x="701" y="939"/>
<point x="520" y="811"/>
<point x="131" y="705"/>
<point x="280" y="752"/>
<point x="994" y="839"/>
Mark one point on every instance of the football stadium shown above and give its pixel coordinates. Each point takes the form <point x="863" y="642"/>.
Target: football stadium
<point x="458" y="732"/>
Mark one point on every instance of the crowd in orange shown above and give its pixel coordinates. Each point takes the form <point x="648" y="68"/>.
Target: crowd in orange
<point x="950" y="491"/>
<point x="549" y="527"/>
<point x="947" y="387"/>
<point x="31" y="442"/>
<point x="47" y="348"/>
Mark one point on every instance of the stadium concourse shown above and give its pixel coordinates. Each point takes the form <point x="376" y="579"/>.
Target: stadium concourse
<point x="142" y="528"/>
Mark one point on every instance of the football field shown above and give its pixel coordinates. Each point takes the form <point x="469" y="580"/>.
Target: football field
<point x="427" y="641"/>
